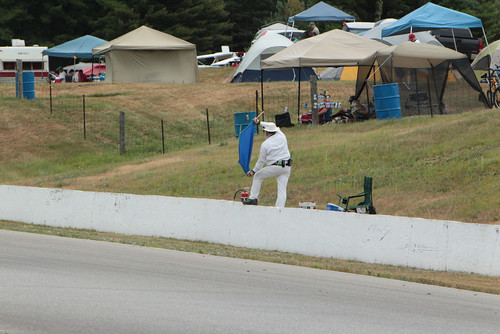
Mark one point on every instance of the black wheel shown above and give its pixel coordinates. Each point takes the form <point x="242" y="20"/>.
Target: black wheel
<point x="496" y="98"/>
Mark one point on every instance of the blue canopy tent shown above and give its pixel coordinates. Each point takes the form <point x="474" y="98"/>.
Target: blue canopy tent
<point x="431" y="16"/>
<point x="322" y="12"/>
<point x="79" y="48"/>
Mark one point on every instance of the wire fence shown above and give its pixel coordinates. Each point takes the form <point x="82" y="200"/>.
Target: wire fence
<point x="94" y="116"/>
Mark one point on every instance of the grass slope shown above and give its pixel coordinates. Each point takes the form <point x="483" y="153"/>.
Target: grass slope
<point x="441" y="167"/>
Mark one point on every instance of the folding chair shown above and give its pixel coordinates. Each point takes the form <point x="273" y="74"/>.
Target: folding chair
<point x="363" y="207"/>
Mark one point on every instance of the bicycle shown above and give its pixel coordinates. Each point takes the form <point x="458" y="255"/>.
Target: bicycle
<point x="492" y="78"/>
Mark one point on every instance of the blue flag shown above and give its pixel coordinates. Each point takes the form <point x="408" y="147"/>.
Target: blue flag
<point x="245" y="147"/>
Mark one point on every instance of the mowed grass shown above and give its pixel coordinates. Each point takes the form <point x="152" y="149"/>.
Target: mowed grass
<point x="441" y="167"/>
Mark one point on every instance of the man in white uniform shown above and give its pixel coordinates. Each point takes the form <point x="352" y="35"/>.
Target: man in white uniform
<point x="273" y="153"/>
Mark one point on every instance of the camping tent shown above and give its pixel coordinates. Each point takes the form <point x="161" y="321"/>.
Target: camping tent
<point x="376" y="34"/>
<point x="488" y="57"/>
<point x="421" y="70"/>
<point x="431" y="16"/>
<point x="249" y="69"/>
<point x="149" y="55"/>
<point x="80" y="48"/>
<point x="322" y="12"/>
<point x="280" y="28"/>
<point x="332" y="48"/>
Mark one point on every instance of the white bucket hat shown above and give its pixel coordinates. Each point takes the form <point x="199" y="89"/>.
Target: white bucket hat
<point x="270" y="127"/>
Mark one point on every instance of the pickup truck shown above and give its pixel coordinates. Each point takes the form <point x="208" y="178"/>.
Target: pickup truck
<point x="465" y="41"/>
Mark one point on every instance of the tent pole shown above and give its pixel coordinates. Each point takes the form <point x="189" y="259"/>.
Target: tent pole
<point x="488" y="46"/>
<point x="298" y="98"/>
<point x="442" y="89"/>
<point x="437" y="93"/>
<point x="454" y="40"/>
<point x="367" y="98"/>
<point x="429" y="93"/>
<point x="262" y="92"/>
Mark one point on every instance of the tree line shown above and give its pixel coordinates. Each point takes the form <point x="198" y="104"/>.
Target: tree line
<point x="206" y="23"/>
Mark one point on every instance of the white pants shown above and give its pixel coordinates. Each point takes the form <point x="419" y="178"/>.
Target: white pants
<point x="280" y="173"/>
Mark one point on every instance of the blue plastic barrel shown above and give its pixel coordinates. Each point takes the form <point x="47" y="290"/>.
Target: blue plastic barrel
<point x="241" y="121"/>
<point x="28" y="85"/>
<point x="386" y="98"/>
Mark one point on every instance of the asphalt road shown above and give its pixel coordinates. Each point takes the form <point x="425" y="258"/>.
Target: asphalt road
<point x="59" y="285"/>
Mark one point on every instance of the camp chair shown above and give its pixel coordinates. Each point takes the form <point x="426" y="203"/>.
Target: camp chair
<point x="283" y="120"/>
<point x="363" y="207"/>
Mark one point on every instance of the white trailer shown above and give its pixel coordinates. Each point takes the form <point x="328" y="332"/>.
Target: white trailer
<point x="32" y="58"/>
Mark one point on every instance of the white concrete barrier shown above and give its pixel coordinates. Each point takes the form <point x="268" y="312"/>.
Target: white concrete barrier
<point x="399" y="241"/>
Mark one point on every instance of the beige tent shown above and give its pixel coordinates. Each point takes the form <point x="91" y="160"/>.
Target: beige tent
<point x="149" y="55"/>
<point x="414" y="55"/>
<point x="420" y="69"/>
<point x="332" y="48"/>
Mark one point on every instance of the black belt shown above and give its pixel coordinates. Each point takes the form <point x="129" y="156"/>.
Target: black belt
<point x="283" y="163"/>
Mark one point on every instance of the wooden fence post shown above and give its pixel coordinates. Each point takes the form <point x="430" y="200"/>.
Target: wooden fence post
<point x="314" y="102"/>
<point x="208" y="127"/>
<point x="19" y="71"/>
<point x="162" y="138"/>
<point x="84" y="121"/>
<point x="50" y="96"/>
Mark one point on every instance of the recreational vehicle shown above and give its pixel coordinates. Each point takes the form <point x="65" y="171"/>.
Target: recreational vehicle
<point x="32" y="59"/>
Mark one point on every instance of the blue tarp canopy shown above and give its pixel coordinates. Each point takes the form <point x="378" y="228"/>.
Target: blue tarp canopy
<point x="322" y="12"/>
<point x="80" y="48"/>
<point x="431" y="16"/>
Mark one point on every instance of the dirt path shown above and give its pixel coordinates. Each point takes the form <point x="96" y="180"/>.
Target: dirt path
<point x="84" y="182"/>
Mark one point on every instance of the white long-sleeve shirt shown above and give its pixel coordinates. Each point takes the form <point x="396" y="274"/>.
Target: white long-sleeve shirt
<point x="274" y="148"/>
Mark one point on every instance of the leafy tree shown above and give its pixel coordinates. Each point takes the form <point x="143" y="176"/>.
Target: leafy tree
<point x="286" y="9"/>
<point x="489" y="13"/>
<point x="117" y="18"/>
<point x="204" y="23"/>
<point x="43" y="22"/>
<point x="248" y="16"/>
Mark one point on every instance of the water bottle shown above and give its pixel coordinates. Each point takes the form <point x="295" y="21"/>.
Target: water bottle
<point x="286" y="110"/>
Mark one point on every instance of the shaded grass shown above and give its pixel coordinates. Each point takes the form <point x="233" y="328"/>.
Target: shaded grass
<point x="464" y="281"/>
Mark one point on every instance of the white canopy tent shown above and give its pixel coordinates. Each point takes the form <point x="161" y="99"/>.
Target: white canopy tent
<point x="329" y="49"/>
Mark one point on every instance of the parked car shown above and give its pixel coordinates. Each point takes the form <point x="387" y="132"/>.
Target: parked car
<point x="465" y="42"/>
